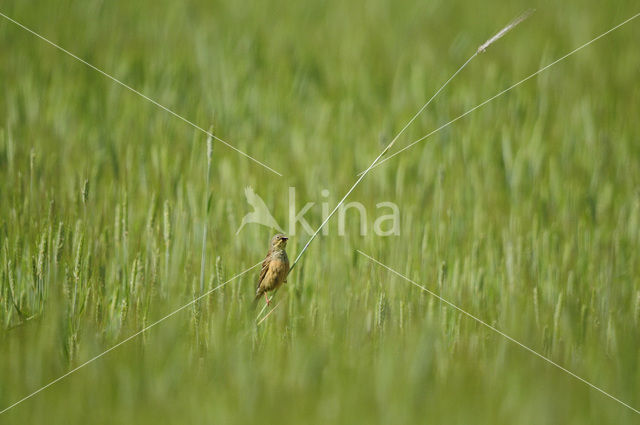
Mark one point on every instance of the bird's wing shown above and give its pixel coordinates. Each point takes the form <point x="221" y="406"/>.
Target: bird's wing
<point x="263" y="270"/>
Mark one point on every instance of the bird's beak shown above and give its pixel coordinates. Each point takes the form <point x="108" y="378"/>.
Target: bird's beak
<point x="285" y="238"/>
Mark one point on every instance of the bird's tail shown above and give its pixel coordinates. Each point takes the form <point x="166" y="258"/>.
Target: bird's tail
<point x="256" y="299"/>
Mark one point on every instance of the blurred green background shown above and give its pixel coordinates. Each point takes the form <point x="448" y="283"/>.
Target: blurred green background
<point x="526" y="213"/>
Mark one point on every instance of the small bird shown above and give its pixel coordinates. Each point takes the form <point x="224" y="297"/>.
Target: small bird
<point x="275" y="267"/>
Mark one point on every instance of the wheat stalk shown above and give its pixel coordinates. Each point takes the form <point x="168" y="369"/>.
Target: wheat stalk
<point x="207" y="204"/>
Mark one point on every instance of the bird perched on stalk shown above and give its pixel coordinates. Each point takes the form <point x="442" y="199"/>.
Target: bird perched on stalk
<point x="275" y="267"/>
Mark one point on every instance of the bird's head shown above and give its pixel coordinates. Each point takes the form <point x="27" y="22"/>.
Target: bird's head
<point x="279" y="241"/>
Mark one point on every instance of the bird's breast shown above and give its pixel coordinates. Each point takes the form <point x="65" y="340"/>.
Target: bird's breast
<point x="280" y="255"/>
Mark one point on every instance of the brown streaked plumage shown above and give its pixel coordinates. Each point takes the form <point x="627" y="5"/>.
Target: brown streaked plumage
<point x="275" y="267"/>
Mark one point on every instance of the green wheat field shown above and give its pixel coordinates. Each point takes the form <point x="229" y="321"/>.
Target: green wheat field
<point x="525" y="213"/>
